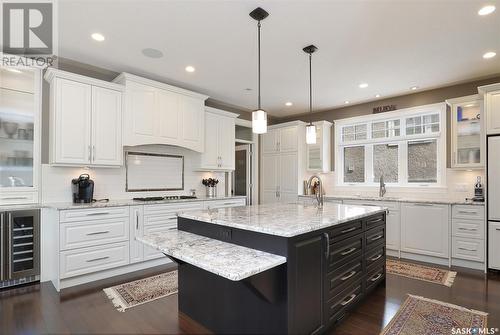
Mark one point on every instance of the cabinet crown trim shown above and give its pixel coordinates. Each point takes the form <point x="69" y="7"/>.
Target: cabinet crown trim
<point x="52" y="73"/>
<point x="467" y="98"/>
<point x="488" y="88"/>
<point x="221" y="112"/>
<point x="287" y="124"/>
<point x="124" y="77"/>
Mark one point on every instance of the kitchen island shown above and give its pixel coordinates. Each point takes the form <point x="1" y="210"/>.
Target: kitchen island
<point x="277" y="268"/>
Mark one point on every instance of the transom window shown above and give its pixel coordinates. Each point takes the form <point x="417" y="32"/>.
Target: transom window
<point x="405" y="147"/>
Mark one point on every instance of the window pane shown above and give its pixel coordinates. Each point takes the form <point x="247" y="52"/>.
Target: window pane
<point x="354" y="165"/>
<point x="360" y="131"/>
<point x="422" y="161"/>
<point x="385" y="162"/>
<point x="414" y="125"/>
<point x="378" y="130"/>
<point x="348" y="133"/>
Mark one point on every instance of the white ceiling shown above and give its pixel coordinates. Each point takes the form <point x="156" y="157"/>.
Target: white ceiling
<point x="391" y="45"/>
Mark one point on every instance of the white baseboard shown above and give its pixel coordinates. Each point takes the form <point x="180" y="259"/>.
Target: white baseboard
<point x="468" y="264"/>
<point x="426" y="259"/>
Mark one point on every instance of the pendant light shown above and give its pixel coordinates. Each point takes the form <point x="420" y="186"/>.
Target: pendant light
<point x="310" y="128"/>
<point x="259" y="116"/>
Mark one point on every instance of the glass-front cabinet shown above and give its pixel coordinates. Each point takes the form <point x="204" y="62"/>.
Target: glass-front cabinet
<point x="466" y="130"/>
<point x="319" y="154"/>
<point x="19" y="134"/>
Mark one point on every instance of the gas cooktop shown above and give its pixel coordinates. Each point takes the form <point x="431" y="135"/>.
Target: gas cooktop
<point x="168" y="197"/>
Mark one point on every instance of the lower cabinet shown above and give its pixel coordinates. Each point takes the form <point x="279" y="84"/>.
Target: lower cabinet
<point x="494" y="245"/>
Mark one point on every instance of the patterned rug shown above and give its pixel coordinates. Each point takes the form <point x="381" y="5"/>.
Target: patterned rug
<point x="141" y="291"/>
<point x="421" y="272"/>
<point x="420" y="315"/>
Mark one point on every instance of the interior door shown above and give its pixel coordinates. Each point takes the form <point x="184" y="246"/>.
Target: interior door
<point x="168" y="115"/>
<point x="270" y="178"/>
<point x="106" y="127"/>
<point x="493" y="178"/>
<point x="73" y="105"/>
<point x="23" y="244"/>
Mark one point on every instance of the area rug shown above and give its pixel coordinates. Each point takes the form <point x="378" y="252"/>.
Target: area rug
<point x="142" y="291"/>
<point x="420" y="315"/>
<point x="421" y="272"/>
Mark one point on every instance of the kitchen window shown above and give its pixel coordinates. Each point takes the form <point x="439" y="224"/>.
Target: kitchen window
<point x="406" y="147"/>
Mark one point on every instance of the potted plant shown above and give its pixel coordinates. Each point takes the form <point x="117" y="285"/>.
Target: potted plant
<point x="211" y="186"/>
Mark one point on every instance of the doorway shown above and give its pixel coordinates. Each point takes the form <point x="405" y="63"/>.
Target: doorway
<point x="242" y="175"/>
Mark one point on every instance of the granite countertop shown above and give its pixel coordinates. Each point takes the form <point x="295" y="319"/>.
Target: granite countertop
<point x="397" y="199"/>
<point x="227" y="260"/>
<point x="286" y="220"/>
<point x="111" y="203"/>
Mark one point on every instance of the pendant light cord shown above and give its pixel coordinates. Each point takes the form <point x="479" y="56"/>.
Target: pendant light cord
<point x="258" y="34"/>
<point x="310" y="88"/>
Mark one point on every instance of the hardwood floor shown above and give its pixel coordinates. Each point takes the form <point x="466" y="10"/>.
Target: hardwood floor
<point x="39" y="309"/>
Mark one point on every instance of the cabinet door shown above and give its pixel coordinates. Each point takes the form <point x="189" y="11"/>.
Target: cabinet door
<point x="193" y="123"/>
<point x="393" y="222"/>
<point x="494" y="245"/>
<point x="210" y="157"/>
<point x="270" y="178"/>
<point x="136" y="230"/>
<point x="168" y="116"/>
<point x="425" y="229"/>
<point x="492" y="107"/>
<point x="270" y="141"/>
<point x="288" y="175"/>
<point x="141" y="110"/>
<point x="226" y="142"/>
<point x="288" y="141"/>
<point x="106" y="127"/>
<point x="72" y="112"/>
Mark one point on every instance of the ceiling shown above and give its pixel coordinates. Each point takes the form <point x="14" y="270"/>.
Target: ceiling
<point x="391" y="45"/>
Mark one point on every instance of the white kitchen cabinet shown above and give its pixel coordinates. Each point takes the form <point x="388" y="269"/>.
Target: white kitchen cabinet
<point x="219" y="140"/>
<point x="425" y="229"/>
<point x="157" y="113"/>
<point x="85" y="120"/>
<point x="467" y="142"/>
<point x="494" y="245"/>
<point x="319" y="154"/>
<point x="283" y="162"/>
<point x="136" y="230"/>
<point x="491" y="96"/>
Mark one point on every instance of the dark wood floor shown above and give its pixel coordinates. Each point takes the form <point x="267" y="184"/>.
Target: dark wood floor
<point x="39" y="309"/>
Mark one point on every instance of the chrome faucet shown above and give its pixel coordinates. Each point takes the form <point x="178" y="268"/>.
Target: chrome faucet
<point x="319" y="194"/>
<point x="381" y="190"/>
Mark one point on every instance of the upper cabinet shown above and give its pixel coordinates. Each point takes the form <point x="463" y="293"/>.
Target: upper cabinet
<point x="491" y="95"/>
<point x="85" y="120"/>
<point x="319" y="154"/>
<point x="219" y="140"/>
<point x="157" y="113"/>
<point x="466" y="132"/>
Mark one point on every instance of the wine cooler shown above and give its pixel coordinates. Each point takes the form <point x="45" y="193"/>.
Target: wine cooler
<point x="19" y="247"/>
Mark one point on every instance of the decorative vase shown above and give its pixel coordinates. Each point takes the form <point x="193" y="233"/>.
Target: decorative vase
<point x="211" y="191"/>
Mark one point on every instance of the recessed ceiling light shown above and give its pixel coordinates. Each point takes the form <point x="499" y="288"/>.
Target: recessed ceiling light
<point x="98" y="37"/>
<point x="413" y="88"/>
<point x="489" y="54"/>
<point x="190" y="69"/>
<point x="377" y="95"/>
<point x="363" y="85"/>
<point x="346" y="102"/>
<point x="14" y="70"/>
<point x="288" y="104"/>
<point x="486" y="10"/>
<point x="152" y="53"/>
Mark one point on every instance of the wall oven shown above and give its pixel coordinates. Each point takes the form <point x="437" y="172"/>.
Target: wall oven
<point x="19" y="247"/>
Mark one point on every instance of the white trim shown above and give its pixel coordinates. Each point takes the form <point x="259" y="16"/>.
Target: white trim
<point x="243" y="123"/>
<point x="286" y="124"/>
<point x="52" y="73"/>
<point x="221" y="112"/>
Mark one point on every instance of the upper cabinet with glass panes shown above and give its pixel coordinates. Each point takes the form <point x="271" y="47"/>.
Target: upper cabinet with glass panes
<point x="466" y="130"/>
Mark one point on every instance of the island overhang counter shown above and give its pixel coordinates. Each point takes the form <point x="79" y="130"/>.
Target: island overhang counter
<point x="277" y="268"/>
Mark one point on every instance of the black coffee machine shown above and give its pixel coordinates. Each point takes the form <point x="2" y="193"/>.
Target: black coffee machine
<point x="83" y="189"/>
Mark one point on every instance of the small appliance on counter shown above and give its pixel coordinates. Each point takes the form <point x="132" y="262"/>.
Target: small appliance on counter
<point x="83" y="189"/>
<point x="478" y="191"/>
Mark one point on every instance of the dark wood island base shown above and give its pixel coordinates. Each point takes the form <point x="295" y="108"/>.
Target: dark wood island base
<point x="327" y="273"/>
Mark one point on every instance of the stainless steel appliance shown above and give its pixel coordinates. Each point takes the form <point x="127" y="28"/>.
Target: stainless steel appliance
<point x="493" y="189"/>
<point x="19" y="247"/>
<point x="83" y="189"/>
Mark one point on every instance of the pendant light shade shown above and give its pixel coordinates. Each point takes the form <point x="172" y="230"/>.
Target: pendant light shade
<point x="310" y="128"/>
<point x="259" y="116"/>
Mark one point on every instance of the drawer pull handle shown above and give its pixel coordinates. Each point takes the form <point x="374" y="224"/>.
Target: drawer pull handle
<point x="378" y="237"/>
<point x="345" y="231"/>
<point x="352" y="273"/>
<point x="348" y="251"/>
<point x="327" y="249"/>
<point x="377" y="277"/>
<point x="14" y="198"/>
<point x="497" y="229"/>
<point x="100" y="213"/>
<point x="468" y="229"/>
<point x="97" y="259"/>
<point x="466" y="249"/>
<point x="374" y="221"/>
<point x="373" y="259"/>
<point x="172" y="218"/>
<point x="467" y="212"/>
<point x="98" y="232"/>
<point x="348" y="301"/>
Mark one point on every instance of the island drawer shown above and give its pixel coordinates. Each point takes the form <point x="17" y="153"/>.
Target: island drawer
<point x="375" y="275"/>
<point x="345" y="300"/>
<point x="375" y="255"/>
<point x="374" y="221"/>
<point x="339" y="279"/>
<point x="344" y="251"/>
<point x="374" y="237"/>
<point x="345" y="231"/>
<point x="171" y="209"/>
<point x="74" y="215"/>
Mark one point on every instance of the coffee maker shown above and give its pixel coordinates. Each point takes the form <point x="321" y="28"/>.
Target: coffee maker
<point x="83" y="189"/>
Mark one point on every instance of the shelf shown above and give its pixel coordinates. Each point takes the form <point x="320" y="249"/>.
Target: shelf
<point x="15" y="168"/>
